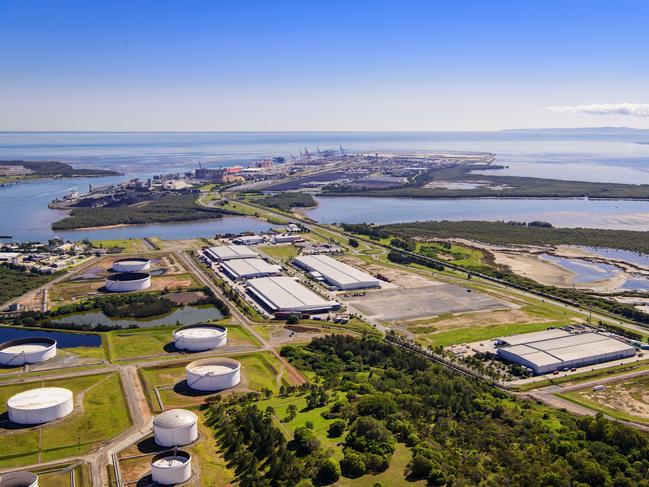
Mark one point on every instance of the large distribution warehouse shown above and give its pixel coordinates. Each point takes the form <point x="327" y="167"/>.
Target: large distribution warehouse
<point x="545" y="352"/>
<point x="337" y="273"/>
<point x="285" y="295"/>
<point x="239" y="269"/>
<point x="229" y="252"/>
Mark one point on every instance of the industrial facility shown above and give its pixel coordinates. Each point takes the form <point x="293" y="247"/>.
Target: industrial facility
<point x="132" y="265"/>
<point x="42" y="405"/>
<point x="213" y="374"/>
<point x="285" y="295"/>
<point x="175" y="427"/>
<point x="228" y="252"/>
<point x="336" y="273"/>
<point x="171" y="467"/>
<point x="19" y="479"/>
<point x="551" y="350"/>
<point x="200" y="337"/>
<point x="21" y="351"/>
<point x="239" y="269"/>
<point x="127" y="281"/>
<point x="249" y="240"/>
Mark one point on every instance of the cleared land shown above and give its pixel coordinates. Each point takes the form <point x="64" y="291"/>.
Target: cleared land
<point x="259" y="370"/>
<point x="100" y="414"/>
<point x="626" y="400"/>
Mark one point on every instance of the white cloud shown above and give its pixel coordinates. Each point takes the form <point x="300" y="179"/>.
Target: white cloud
<point x="632" y="109"/>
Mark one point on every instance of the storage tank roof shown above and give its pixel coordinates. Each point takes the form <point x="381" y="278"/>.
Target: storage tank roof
<point x="175" y="418"/>
<point x="39" y="398"/>
<point x="206" y="331"/>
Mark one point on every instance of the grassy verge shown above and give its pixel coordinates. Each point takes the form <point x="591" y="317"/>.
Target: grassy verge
<point x="280" y="252"/>
<point x="104" y="415"/>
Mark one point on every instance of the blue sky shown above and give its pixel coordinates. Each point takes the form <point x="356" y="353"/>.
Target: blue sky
<point x="322" y="65"/>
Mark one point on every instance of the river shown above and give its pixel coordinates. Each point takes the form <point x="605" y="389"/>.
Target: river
<point x="609" y="155"/>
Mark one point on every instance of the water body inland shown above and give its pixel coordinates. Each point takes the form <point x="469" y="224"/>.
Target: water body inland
<point x="572" y="213"/>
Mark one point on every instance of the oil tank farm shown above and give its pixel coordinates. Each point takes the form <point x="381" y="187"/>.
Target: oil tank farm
<point x="128" y="281"/>
<point x="19" y="479"/>
<point x="545" y="352"/>
<point x="21" y="351"/>
<point x="42" y="405"/>
<point x="337" y="273"/>
<point x="213" y="374"/>
<point x="200" y="337"/>
<point x="175" y="427"/>
<point x="229" y="252"/>
<point x="171" y="467"/>
<point x="284" y="294"/>
<point x="240" y="269"/>
<point x="132" y="265"/>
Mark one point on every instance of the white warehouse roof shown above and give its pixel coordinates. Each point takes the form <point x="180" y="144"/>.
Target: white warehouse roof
<point x="248" y="268"/>
<point x="286" y="294"/>
<point x="227" y="252"/>
<point x="547" y="355"/>
<point x="337" y="273"/>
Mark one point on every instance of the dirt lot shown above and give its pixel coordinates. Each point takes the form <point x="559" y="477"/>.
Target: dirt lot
<point x="392" y="305"/>
<point x="631" y="397"/>
<point x="397" y="277"/>
<point x="470" y="320"/>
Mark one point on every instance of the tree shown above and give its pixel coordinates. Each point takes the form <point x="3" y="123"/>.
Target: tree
<point x="336" y="428"/>
<point x="368" y="435"/>
<point x="353" y="242"/>
<point x="304" y="441"/>
<point x="352" y="465"/>
<point x="293" y="319"/>
<point x="291" y="412"/>
<point x="420" y="467"/>
<point x="329" y="471"/>
<point x="377" y="405"/>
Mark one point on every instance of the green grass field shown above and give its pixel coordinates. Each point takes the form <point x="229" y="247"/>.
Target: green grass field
<point x="150" y="342"/>
<point x="280" y="252"/>
<point x="258" y="370"/>
<point x="105" y="414"/>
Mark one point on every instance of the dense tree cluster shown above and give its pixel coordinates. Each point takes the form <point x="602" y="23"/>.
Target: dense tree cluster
<point x="286" y="201"/>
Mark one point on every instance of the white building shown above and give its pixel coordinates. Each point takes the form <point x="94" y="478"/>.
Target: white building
<point x="239" y="269"/>
<point x="228" y="252"/>
<point x="285" y="295"/>
<point x="213" y="374"/>
<point x="171" y="467"/>
<point x="175" y="427"/>
<point x="127" y="281"/>
<point x="23" y="351"/>
<point x="37" y="406"/>
<point x="200" y="337"/>
<point x="249" y="240"/>
<point x="337" y="273"/>
<point x="286" y="238"/>
<point x="544" y="355"/>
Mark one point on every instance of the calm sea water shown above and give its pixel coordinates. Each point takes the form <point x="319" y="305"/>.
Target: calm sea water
<point x="611" y="155"/>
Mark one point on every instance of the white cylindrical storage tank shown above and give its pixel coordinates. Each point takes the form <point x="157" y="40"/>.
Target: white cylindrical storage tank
<point x="23" y="351"/>
<point x="200" y="337"/>
<point x="40" y="405"/>
<point x="213" y="374"/>
<point x="19" y="479"/>
<point x="132" y="265"/>
<point x="128" y="281"/>
<point x="175" y="427"/>
<point x="171" y="467"/>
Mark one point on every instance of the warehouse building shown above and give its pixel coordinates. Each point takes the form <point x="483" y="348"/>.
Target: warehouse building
<point x="285" y="295"/>
<point x="337" y="273"/>
<point x="249" y="240"/>
<point x="545" y="352"/>
<point x="239" y="269"/>
<point x="229" y="252"/>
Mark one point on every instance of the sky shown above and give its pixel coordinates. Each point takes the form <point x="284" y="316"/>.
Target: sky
<point x="329" y="65"/>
